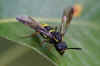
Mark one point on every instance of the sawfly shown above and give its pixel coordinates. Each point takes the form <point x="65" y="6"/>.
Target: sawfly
<point x="49" y="33"/>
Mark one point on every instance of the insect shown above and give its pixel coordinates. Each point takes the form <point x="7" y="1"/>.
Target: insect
<point x="49" y="33"/>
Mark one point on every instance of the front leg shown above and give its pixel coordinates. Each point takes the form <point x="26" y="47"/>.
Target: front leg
<point x="44" y="41"/>
<point x="48" y="47"/>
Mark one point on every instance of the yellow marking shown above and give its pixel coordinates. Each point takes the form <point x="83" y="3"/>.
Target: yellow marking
<point x="51" y="30"/>
<point x="44" y="36"/>
<point x="44" y="25"/>
<point x="55" y="39"/>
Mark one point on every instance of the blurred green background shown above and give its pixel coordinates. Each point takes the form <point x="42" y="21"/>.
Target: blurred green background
<point x="47" y="8"/>
<point x="83" y="32"/>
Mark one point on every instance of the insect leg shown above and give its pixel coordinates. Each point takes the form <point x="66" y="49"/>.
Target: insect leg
<point x="48" y="47"/>
<point x="43" y="42"/>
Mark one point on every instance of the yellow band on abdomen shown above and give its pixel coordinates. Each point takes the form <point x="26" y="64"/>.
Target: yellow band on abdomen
<point x="44" y="25"/>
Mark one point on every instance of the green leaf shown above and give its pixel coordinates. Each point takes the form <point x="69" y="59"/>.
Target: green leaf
<point x="15" y="31"/>
<point x="82" y="34"/>
<point x="17" y="54"/>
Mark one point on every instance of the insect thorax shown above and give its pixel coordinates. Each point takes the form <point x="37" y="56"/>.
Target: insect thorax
<point x="56" y="36"/>
<point x="48" y="29"/>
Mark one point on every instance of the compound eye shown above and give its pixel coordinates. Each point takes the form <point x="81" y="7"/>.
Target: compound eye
<point x="62" y="46"/>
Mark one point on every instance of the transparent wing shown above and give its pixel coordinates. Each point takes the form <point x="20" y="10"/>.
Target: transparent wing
<point x="29" y="21"/>
<point x="40" y="28"/>
<point x="66" y="19"/>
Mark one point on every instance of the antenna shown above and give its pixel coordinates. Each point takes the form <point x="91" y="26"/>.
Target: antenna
<point x="75" y="48"/>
